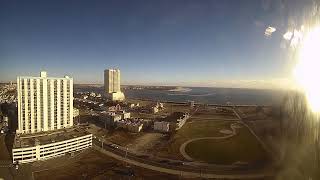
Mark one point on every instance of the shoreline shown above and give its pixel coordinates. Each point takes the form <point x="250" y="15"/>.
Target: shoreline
<point x="187" y="103"/>
<point x="180" y="89"/>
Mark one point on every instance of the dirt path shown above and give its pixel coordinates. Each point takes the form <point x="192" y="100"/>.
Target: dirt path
<point x="147" y="141"/>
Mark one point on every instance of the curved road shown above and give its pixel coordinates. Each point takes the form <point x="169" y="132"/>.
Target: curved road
<point x="179" y="170"/>
<point x="183" y="146"/>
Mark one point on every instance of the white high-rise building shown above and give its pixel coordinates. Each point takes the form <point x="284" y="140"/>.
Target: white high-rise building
<point x="112" y="84"/>
<point x="44" y="103"/>
<point x="112" y="80"/>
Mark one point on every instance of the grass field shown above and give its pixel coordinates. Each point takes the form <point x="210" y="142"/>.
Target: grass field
<point x="213" y="116"/>
<point x="192" y="130"/>
<point x="91" y="164"/>
<point x="242" y="147"/>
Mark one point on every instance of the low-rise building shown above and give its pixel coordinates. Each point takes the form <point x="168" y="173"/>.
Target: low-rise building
<point x="172" y="122"/>
<point x="135" y="127"/>
<point x="155" y="109"/>
<point x="76" y="112"/>
<point x="5" y="121"/>
<point x="125" y="115"/>
<point x="116" y="96"/>
<point x="160" y="105"/>
<point x="181" y="120"/>
<point x="191" y="104"/>
<point x="152" y="108"/>
<point x="110" y="118"/>
<point x="132" y="125"/>
<point x="45" y="146"/>
<point x="132" y="105"/>
<point x="115" y="108"/>
<point x="161" y="126"/>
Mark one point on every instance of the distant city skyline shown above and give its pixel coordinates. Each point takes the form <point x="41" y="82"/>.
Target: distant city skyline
<point x="183" y="43"/>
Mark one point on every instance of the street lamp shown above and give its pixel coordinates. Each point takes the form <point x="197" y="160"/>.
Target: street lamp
<point x="102" y="141"/>
<point x="126" y="156"/>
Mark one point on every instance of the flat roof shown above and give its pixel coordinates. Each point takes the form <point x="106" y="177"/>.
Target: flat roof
<point x="33" y="77"/>
<point x="29" y="140"/>
<point x="173" y="117"/>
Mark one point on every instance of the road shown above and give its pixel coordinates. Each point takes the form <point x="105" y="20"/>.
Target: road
<point x="7" y="169"/>
<point x="217" y="105"/>
<point x="4" y="154"/>
<point x="183" y="146"/>
<point x="175" y="168"/>
<point x="252" y="132"/>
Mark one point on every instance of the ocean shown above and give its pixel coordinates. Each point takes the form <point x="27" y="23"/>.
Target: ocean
<point x="213" y="96"/>
<point x="205" y="95"/>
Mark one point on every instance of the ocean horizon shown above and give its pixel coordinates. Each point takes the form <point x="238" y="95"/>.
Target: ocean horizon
<point x="207" y="95"/>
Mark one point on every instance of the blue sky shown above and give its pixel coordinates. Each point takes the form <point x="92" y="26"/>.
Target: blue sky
<point x="193" y="43"/>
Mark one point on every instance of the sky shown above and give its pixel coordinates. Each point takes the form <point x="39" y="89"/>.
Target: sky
<point x="180" y="42"/>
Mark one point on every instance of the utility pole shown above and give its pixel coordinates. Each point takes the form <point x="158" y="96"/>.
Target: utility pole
<point x="126" y="156"/>
<point x="102" y="141"/>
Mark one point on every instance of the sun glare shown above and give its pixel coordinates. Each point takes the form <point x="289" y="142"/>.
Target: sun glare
<point x="307" y="71"/>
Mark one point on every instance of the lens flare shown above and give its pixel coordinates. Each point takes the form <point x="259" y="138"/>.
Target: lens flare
<point x="307" y="71"/>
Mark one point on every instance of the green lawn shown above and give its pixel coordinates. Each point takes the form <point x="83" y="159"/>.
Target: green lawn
<point x="195" y="130"/>
<point x="202" y="129"/>
<point x="242" y="147"/>
<point x="214" y="116"/>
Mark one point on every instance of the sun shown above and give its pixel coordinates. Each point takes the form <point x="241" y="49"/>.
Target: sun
<point x="307" y="70"/>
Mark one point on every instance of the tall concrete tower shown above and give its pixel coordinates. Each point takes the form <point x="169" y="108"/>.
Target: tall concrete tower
<point x="112" y="80"/>
<point x="44" y="103"/>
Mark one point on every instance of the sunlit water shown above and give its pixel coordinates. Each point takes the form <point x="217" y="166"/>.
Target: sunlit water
<point x="207" y="95"/>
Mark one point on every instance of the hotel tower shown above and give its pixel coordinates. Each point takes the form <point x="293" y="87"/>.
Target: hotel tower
<point x="44" y="103"/>
<point x="112" y="84"/>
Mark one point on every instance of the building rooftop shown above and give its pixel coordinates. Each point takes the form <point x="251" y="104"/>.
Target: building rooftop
<point x="173" y="117"/>
<point x="43" y="75"/>
<point x="29" y="140"/>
